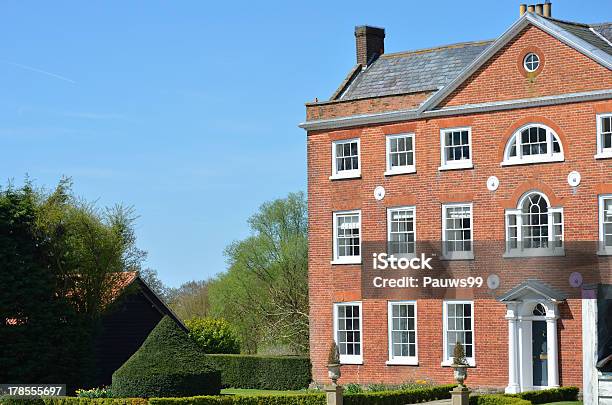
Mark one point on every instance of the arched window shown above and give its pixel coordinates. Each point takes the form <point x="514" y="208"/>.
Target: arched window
<point x="539" y="310"/>
<point x="534" y="227"/>
<point x="533" y="143"/>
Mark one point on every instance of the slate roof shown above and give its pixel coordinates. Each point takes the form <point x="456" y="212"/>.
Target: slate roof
<point x="584" y="32"/>
<point x="412" y="72"/>
<point x="432" y="69"/>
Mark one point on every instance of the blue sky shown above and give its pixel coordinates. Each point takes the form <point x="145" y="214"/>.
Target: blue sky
<point x="188" y="110"/>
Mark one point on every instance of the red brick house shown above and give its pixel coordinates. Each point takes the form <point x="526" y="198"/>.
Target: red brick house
<point x="458" y="148"/>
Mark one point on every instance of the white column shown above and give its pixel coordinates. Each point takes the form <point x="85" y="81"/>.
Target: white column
<point x="590" y="382"/>
<point x="513" y="365"/>
<point x="553" y="350"/>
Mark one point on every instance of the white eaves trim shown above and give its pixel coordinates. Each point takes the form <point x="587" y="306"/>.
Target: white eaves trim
<point x="528" y="18"/>
<point x="406" y="115"/>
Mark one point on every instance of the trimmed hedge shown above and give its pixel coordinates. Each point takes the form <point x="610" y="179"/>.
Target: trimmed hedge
<point x="302" y="399"/>
<point x="262" y="372"/>
<point x="399" y="397"/>
<point x="528" y="397"/>
<point x="551" y="395"/>
<point x="168" y="364"/>
<point x="72" y="401"/>
<point x="492" y="399"/>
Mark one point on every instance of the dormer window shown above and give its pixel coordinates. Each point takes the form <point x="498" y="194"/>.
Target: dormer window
<point x="533" y="143"/>
<point x="531" y="63"/>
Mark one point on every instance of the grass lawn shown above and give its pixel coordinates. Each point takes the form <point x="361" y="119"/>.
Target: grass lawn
<point x="238" y="391"/>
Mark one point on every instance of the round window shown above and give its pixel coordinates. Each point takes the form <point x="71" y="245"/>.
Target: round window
<point x="531" y="62"/>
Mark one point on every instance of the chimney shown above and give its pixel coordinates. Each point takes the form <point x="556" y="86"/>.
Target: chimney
<point x="548" y="9"/>
<point x="531" y="9"/>
<point x="522" y="9"/>
<point x="538" y="9"/>
<point x="370" y="44"/>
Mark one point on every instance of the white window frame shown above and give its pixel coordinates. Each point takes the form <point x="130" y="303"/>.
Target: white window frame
<point x="447" y="360"/>
<point x="519" y="159"/>
<point x="390" y="171"/>
<point x="345" y="174"/>
<point x="455" y="164"/>
<point x="464" y="255"/>
<point x="402" y="360"/>
<point x="520" y="251"/>
<point x="345" y="259"/>
<point x="603" y="249"/>
<point x="406" y="208"/>
<point x="525" y="62"/>
<point x="349" y="359"/>
<point x="601" y="152"/>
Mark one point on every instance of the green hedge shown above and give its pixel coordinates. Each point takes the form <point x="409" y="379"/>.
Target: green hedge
<point x="497" y="400"/>
<point x="262" y="372"/>
<point x="72" y="401"/>
<point x="399" y="397"/>
<point x="551" y="395"/>
<point x="168" y="364"/>
<point x="528" y="397"/>
<point x="303" y="399"/>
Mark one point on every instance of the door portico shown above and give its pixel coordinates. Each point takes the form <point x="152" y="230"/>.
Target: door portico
<point x="533" y="353"/>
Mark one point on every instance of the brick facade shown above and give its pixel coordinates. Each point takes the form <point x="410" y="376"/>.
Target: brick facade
<point x="564" y="71"/>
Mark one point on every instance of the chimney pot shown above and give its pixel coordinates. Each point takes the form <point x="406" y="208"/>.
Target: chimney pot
<point x="370" y="43"/>
<point x="538" y="9"/>
<point x="522" y="9"/>
<point x="531" y="8"/>
<point x="547" y="9"/>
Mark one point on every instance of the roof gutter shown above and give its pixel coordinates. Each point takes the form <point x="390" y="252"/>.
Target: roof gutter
<point x="407" y="115"/>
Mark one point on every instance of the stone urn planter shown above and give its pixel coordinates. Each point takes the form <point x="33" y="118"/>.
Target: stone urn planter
<point x="333" y="363"/>
<point x="460" y="364"/>
<point x="333" y="371"/>
<point x="460" y="373"/>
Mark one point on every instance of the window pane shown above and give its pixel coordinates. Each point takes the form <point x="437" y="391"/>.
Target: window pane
<point x="348" y="330"/>
<point x="458" y="228"/>
<point x="459" y="327"/>
<point x="401" y="231"/>
<point x="403" y="330"/>
<point x="347" y="234"/>
<point x="346" y="156"/>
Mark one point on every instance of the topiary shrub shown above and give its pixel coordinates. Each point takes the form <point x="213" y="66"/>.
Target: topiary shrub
<point x="168" y="364"/>
<point x="213" y="335"/>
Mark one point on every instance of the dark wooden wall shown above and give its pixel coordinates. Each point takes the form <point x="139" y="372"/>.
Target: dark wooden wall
<point x="124" y="327"/>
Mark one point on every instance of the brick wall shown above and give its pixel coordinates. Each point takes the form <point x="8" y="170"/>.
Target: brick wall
<point x="564" y="70"/>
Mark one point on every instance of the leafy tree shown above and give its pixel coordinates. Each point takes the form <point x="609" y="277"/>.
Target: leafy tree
<point x="35" y="322"/>
<point x="152" y="279"/>
<point x="61" y="258"/>
<point x="264" y="293"/>
<point x="213" y="335"/>
<point x="190" y="300"/>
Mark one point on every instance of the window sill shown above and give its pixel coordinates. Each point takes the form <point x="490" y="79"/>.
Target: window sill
<point x="354" y="362"/>
<point x="534" y="253"/>
<point x="604" y="252"/>
<point x="346" y="261"/>
<point x="354" y="175"/>
<point x="403" y="362"/>
<point x="398" y="171"/>
<point x="532" y="161"/>
<point x="458" y="166"/>
<point x="449" y="363"/>
<point x="604" y="155"/>
<point x="458" y="256"/>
